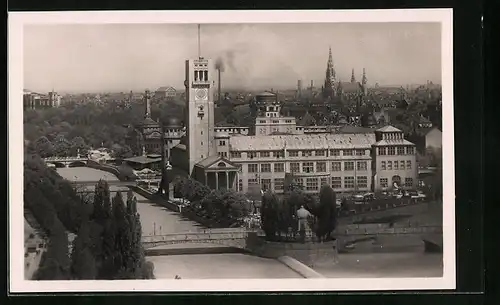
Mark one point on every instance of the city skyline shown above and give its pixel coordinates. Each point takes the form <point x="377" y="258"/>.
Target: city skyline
<point x="106" y="58"/>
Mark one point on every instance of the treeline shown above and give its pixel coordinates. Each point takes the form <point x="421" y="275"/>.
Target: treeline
<point x="279" y="214"/>
<point x="223" y="207"/>
<point x="108" y="242"/>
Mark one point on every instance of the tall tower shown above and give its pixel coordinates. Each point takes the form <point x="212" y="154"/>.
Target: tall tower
<point x="353" y="78"/>
<point x="329" y="87"/>
<point x="147" y="100"/>
<point x="200" y="93"/>
<point x="364" y="82"/>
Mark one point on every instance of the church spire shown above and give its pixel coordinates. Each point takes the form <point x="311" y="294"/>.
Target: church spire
<point x="329" y="87"/>
<point x="147" y="100"/>
<point x="364" y="80"/>
<point x="353" y="78"/>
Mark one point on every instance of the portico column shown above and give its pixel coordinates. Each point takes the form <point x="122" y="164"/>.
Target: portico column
<point x="216" y="180"/>
<point x="227" y="180"/>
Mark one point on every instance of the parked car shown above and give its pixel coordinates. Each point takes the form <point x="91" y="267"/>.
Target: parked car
<point x="369" y="197"/>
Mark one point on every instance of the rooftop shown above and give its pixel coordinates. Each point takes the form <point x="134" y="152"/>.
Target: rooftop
<point x="393" y="142"/>
<point x="142" y="160"/>
<point x="302" y="141"/>
<point x="389" y="128"/>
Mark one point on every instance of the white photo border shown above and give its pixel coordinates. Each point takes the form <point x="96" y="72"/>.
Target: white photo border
<point x="16" y="22"/>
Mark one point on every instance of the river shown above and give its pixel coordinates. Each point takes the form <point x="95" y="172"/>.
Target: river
<point x="157" y="219"/>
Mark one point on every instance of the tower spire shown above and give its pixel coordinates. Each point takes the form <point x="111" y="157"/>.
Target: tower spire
<point x="353" y="78"/>
<point x="364" y="79"/>
<point x="199" y="45"/>
<point x="329" y="87"/>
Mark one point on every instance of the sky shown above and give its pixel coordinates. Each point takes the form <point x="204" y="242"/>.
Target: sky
<point x="124" y="57"/>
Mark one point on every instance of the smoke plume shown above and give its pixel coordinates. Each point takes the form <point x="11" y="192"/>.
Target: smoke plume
<point x="219" y="64"/>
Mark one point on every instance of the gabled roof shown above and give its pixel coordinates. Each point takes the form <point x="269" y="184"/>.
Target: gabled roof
<point x="393" y="142"/>
<point x="210" y="161"/>
<point x="266" y="93"/>
<point x="307" y="120"/>
<point x="166" y="88"/>
<point x="388" y="128"/>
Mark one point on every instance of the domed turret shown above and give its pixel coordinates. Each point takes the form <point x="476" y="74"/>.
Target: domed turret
<point x="173" y="123"/>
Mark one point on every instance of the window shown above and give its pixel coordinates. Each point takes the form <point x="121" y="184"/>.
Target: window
<point x="252" y="154"/>
<point x="384" y="182"/>
<point x="401" y="150"/>
<point x="308" y="167"/>
<point x="312" y="184"/>
<point x="360" y="152"/>
<point x="362" y="166"/>
<point x="262" y="121"/>
<point x="381" y="151"/>
<point x="389" y="165"/>
<point x="252" y="182"/>
<point x="235" y="154"/>
<point x="276" y="122"/>
<point x="278" y="154"/>
<point x="362" y="181"/>
<point x="382" y="164"/>
<point x="336" y="182"/>
<point x="295" y="167"/>
<point x="401" y="164"/>
<point x="324" y="181"/>
<point x="264" y="154"/>
<point x="288" y="121"/>
<point x="321" y="167"/>
<point x="336" y="167"/>
<point x="240" y="185"/>
<point x="265" y="168"/>
<point x="319" y="153"/>
<point x="253" y="168"/>
<point x="279" y="184"/>
<point x="222" y="143"/>
<point x="410" y="150"/>
<point x="409" y="182"/>
<point x="223" y="154"/>
<point x="335" y="152"/>
<point x="279" y="167"/>
<point x="347" y="152"/>
<point x="299" y="182"/>
<point x="307" y="153"/>
<point x="293" y="153"/>
<point x="266" y="184"/>
<point x="391" y="151"/>
<point x="349" y="166"/>
<point x="396" y="163"/>
<point x="348" y="182"/>
<point x="408" y="164"/>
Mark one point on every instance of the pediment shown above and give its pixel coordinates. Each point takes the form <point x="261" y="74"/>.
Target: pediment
<point x="221" y="164"/>
<point x="154" y="134"/>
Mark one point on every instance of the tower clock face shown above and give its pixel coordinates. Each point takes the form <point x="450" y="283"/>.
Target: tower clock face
<point x="201" y="94"/>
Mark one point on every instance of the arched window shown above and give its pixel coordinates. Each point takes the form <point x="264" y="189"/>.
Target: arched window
<point x="221" y="164"/>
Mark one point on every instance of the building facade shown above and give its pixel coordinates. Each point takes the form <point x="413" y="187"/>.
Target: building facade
<point x="33" y="100"/>
<point x="262" y="156"/>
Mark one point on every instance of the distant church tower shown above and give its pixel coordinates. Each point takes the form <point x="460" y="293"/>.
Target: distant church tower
<point x="364" y="82"/>
<point x="329" y="90"/>
<point x="200" y="110"/>
<point x="353" y="78"/>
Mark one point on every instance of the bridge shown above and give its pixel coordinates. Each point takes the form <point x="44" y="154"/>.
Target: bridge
<point x="110" y="183"/>
<point x="66" y="161"/>
<point x="244" y="238"/>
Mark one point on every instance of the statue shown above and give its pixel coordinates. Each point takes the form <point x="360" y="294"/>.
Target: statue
<point x="302" y="216"/>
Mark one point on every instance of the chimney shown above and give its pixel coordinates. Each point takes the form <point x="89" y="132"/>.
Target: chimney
<point x="219" y="86"/>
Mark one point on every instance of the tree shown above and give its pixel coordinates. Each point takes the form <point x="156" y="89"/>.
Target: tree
<point x="62" y="147"/>
<point x="269" y="215"/>
<point x="326" y="213"/>
<point x="44" y="147"/>
<point x="78" y="146"/>
<point x="83" y="264"/>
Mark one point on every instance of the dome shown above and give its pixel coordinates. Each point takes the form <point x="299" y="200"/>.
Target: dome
<point x="173" y="122"/>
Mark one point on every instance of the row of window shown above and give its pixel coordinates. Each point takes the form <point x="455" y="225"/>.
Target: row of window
<point x="274" y="121"/>
<point x="310" y="184"/>
<point x="308" y="167"/>
<point x="303" y="153"/>
<point x="392" y="150"/>
<point x="396" y="165"/>
<point x="384" y="182"/>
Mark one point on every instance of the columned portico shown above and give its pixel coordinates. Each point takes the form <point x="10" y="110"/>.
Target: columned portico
<point x="218" y="173"/>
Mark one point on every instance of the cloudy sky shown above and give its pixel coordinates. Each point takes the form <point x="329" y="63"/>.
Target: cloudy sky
<point x="93" y="58"/>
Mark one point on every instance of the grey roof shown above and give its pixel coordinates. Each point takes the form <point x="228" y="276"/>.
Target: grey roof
<point x="143" y="160"/>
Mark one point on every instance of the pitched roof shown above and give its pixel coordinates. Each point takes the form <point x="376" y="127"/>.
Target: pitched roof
<point x="149" y="121"/>
<point x="266" y="93"/>
<point x="302" y="141"/>
<point x="389" y="128"/>
<point x="165" y="88"/>
<point x="393" y="142"/>
<point x="350" y="87"/>
<point x="207" y="162"/>
<point x="142" y="160"/>
<point x="355" y="129"/>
